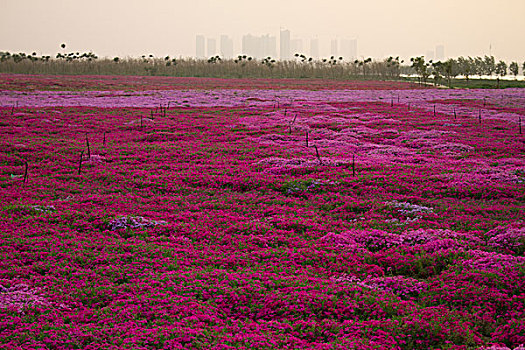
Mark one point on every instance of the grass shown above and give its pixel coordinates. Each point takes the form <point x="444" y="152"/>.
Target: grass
<point x="486" y="84"/>
<point x="476" y="83"/>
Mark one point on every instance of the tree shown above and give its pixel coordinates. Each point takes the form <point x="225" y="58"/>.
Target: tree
<point x="419" y="65"/>
<point x="213" y="59"/>
<point x="450" y="70"/>
<point x="392" y="66"/>
<point x="4" y="56"/>
<point x="368" y="60"/>
<point x="489" y="65"/>
<point x="438" y="68"/>
<point x="268" y="62"/>
<point x="501" y="68"/>
<point x="362" y="64"/>
<point x="465" y="67"/>
<point x="514" y="68"/>
<point x="479" y="66"/>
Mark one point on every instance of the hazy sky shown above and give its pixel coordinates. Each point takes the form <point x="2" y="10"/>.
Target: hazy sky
<point x="163" y="27"/>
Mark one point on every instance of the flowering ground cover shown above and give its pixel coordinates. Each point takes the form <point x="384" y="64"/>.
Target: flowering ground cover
<point x="101" y="82"/>
<point x="261" y="218"/>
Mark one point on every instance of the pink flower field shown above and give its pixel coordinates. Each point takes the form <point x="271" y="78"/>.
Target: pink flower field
<point x="178" y="213"/>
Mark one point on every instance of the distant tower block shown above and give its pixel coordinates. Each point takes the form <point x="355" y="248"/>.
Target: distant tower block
<point x="249" y="45"/>
<point x="226" y="46"/>
<point x="429" y="56"/>
<point x="199" y="47"/>
<point x="440" y="52"/>
<point x="212" y="47"/>
<point x="284" y="45"/>
<point x="269" y="46"/>
<point x="349" y="49"/>
<point x="259" y="46"/>
<point x="314" y="48"/>
<point x="333" y="48"/>
<point x="353" y="48"/>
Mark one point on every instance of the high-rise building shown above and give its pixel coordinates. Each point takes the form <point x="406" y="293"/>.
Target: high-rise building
<point x="199" y="47"/>
<point x="259" y="46"/>
<point x="333" y="47"/>
<point x="284" y="45"/>
<point x="440" y="52"/>
<point x="226" y="46"/>
<point x="211" y="47"/>
<point x="429" y="56"/>
<point x="349" y="49"/>
<point x="269" y="46"/>
<point x="353" y="48"/>
<point x="314" y="48"/>
<point x="249" y="47"/>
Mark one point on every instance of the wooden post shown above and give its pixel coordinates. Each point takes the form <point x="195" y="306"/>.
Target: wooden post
<point x="25" y="172"/>
<point x="479" y="116"/>
<point x="317" y="153"/>
<point x="88" y="149"/>
<point x="353" y="164"/>
<point x="307" y="139"/>
<point x="104" y="140"/>
<point x="80" y="162"/>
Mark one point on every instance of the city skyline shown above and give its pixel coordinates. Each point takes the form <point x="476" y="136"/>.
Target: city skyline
<point x="263" y="46"/>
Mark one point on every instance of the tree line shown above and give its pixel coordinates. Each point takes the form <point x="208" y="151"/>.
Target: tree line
<point x="243" y="66"/>
<point x="464" y="66"/>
